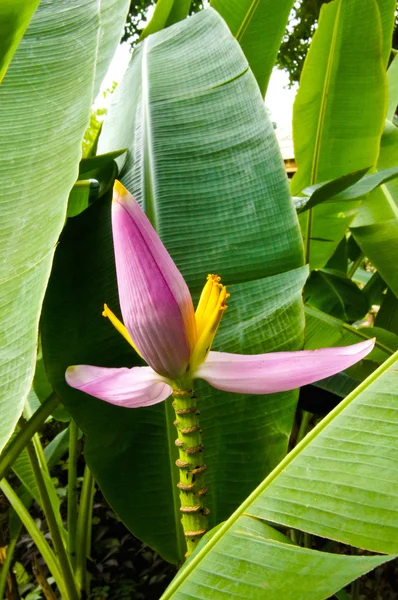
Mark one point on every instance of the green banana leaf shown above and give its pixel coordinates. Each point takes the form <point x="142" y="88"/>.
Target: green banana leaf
<point x="258" y="26"/>
<point x="322" y="329"/>
<point x="387" y="317"/>
<point x="374" y="288"/>
<point x="23" y="470"/>
<point x="375" y="228"/>
<point x="45" y="101"/>
<point x="338" y="264"/>
<point x="53" y="452"/>
<point x="339" y="112"/>
<point x="29" y="489"/>
<point x="79" y="196"/>
<point x="343" y="189"/>
<point x="335" y="295"/>
<point x="191" y="115"/>
<point x="179" y="11"/>
<point x="14" y="19"/>
<point x="167" y="12"/>
<point x="338" y="483"/>
<point x="387" y="10"/>
<point x="392" y="78"/>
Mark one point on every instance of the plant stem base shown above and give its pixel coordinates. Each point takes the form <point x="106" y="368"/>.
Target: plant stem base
<point x="191" y="467"/>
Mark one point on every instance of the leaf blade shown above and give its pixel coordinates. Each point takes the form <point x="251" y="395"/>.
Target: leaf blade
<point x="248" y="21"/>
<point x="47" y="59"/>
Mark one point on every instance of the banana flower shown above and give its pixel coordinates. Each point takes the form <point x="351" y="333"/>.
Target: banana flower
<point x="161" y="325"/>
<point x="175" y="341"/>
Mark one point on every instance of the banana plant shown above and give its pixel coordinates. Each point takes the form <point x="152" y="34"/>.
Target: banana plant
<point x="187" y="133"/>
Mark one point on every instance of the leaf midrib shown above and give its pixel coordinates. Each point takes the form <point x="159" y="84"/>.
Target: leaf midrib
<point x="245" y="23"/>
<point x="335" y="292"/>
<point x="328" y="318"/>
<point x="148" y="167"/>
<point x="277" y="471"/>
<point x="321" y="120"/>
<point x="320" y="125"/>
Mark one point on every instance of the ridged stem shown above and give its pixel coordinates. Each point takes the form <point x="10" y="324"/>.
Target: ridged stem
<point x="191" y="468"/>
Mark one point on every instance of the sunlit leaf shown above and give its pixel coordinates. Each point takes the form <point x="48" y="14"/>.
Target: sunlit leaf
<point x="45" y="101"/>
<point x="258" y="26"/>
<point x="339" y="113"/>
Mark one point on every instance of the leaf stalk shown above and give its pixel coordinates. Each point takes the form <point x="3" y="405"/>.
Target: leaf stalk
<point x="72" y="492"/>
<point x="65" y="566"/>
<point x="20" y="441"/>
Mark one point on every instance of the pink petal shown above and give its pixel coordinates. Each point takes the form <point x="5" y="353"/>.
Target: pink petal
<point x="139" y="386"/>
<point x="154" y="298"/>
<point x="278" y="371"/>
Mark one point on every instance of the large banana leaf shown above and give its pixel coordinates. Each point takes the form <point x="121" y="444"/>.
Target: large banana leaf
<point x="375" y="228"/>
<point x="321" y="328"/>
<point x="258" y="25"/>
<point x="203" y="161"/>
<point x="339" y="112"/>
<point x="387" y="10"/>
<point x="45" y="101"/>
<point x="339" y="483"/>
<point x="392" y="78"/>
<point x="336" y="295"/>
<point x="14" y="19"/>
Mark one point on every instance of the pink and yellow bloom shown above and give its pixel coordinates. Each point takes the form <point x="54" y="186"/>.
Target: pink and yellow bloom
<point x="175" y="341"/>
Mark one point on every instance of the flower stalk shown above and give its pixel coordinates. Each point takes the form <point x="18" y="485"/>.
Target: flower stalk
<point x="191" y="468"/>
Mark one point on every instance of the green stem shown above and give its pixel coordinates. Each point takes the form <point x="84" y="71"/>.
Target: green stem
<point x="355" y="588"/>
<point x="23" y="437"/>
<point x="308" y="237"/>
<point x="294" y="537"/>
<point x="72" y="490"/>
<point x="84" y="523"/>
<point x="342" y="595"/>
<point x="304" y="537"/>
<point x="27" y="414"/>
<point x="36" y="535"/>
<point x="40" y="453"/>
<point x="5" y="567"/>
<point x="307" y="540"/>
<point x="355" y="265"/>
<point x="191" y="467"/>
<point x="66" y="569"/>
<point x="303" y="429"/>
